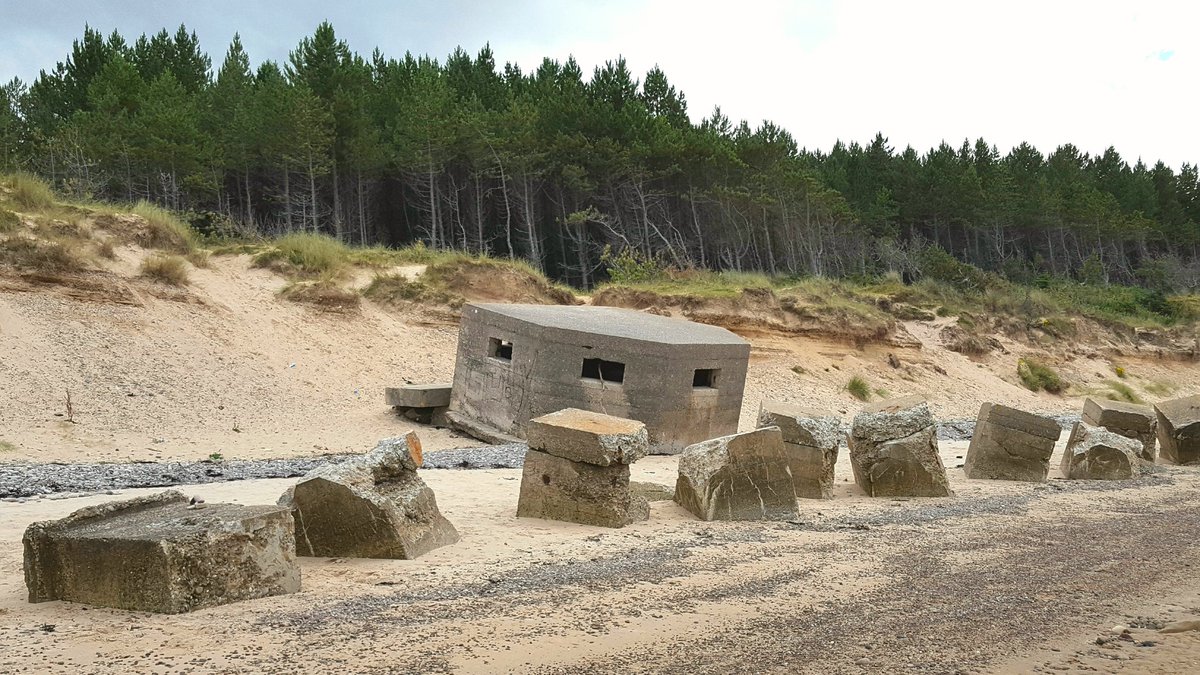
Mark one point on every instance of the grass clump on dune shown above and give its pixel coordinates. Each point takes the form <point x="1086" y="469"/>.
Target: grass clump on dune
<point x="164" y="230"/>
<point x="168" y="269"/>
<point x="42" y="256"/>
<point x="323" y="294"/>
<point x="859" y="388"/>
<point x="1122" y="392"/>
<point x="1037" y="376"/>
<point x="305" y="253"/>
<point x="28" y="191"/>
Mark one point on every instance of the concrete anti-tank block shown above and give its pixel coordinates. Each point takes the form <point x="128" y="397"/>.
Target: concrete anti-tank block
<point x="894" y="450"/>
<point x="811" y="438"/>
<point x="1127" y="419"/>
<point x="1179" y="429"/>
<point x="555" y="488"/>
<point x="372" y="507"/>
<point x="746" y="476"/>
<point x="1011" y="444"/>
<point x="591" y="437"/>
<point x="155" y="554"/>
<point x="1095" y="453"/>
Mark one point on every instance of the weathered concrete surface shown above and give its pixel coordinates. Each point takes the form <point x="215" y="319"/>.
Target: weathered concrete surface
<point x="1095" y="453"/>
<point x="584" y="436"/>
<point x="555" y="488"/>
<point x="811" y="438"/>
<point x="156" y="554"/>
<point x="373" y="507"/>
<point x="1179" y="429"/>
<point x="746" y="476"/>
<point x="893" y="450"/>
<point x="1127" y="419"/>
<point x="1011" y="444"/>
<point x="419" y="396"/>
<point x="682" y="379"/>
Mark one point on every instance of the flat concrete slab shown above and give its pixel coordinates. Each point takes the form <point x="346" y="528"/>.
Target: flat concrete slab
<point x="616" y="322"/>
<point x="158" y="554"/>
<point x="585" y="436"/>
<point x="419" y="395"/>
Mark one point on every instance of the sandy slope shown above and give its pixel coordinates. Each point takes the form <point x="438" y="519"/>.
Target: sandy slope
<point x="228" y="367"/>
<point x="1003" y="577"/>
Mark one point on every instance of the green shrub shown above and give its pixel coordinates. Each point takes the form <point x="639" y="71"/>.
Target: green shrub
<point x="631" y="266"/>
<point x="1037" y="376"/>
<point x="859" y="388"/>
<point x="5" y="446"/>
<point x="168" y="269"/>
<point x="29" y="191"/>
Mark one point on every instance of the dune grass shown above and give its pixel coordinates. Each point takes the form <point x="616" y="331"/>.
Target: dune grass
<point x="1122" y="392"/>
<point x="324" y="294"/>
<point x="5" y="446"/>
<point x="305" y="253"/>
<point x="859" y="389"/>
<point x="1037" y="376"/>
<point x="165" y="268"/>
<point x="46" y="256"/>
<point x="164" y="230"/>
<point x="28" y="191"/>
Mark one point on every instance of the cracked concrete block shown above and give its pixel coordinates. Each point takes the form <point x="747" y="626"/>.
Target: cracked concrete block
<point x="372" y="507"/>
<point x="556" y="488"/>
<point x="894" y="450"/>
<point x="1179" y="429"/>
<point x="746" y="476"/>
<point x="1127" y="419"/>
<point x="419" y="396"/>
<point x="591" y="437"/>
<point x="155" y="554"/>
<point x="1011" y="444"/>
<point x="1095" y="453"/>
<point x="812" y="438"/>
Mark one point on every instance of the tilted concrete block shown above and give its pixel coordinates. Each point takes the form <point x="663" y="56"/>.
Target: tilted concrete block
<point x="583" y="436"/>
<point x="1179" y="429"/>
<point x="746" y="476"/>
<point x="812" y="438"/>
<point x="373" y="507"/>
<point x="155" y="554"/>
<point x="1127" y="419"/>
<point x="1095" y="453"/>
<point x="894" y="450"/>
<point x="555" y="488"/>
<point x="1011" y="444"/>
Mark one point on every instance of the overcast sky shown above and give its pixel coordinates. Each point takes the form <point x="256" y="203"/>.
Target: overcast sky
<point x="1090" y="73"/>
